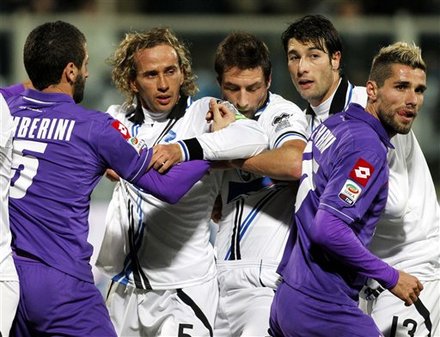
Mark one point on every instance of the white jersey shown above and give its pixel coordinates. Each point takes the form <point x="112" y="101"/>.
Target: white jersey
<point x="154" y="245"/>
<point x="408" y="234"/>
<point x="345" y="94"/>
<point x="256" y="212"/>
<point x="7" y="268"/>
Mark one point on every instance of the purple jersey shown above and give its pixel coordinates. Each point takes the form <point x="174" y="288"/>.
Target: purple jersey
<point x="61" y="150"/>
<point x="344" y="180"/>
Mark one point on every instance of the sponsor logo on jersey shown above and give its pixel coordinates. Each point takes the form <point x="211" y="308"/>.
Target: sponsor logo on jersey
<point x="361" y="172"/>
<point x="133" y="141"/>
<point x="122" y="129"/>
<point x="350" y="192"/>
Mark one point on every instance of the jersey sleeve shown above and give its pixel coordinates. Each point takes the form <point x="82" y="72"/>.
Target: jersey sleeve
<point x="130" y="159"/>
<point x="288" y="122"/>
<point x="241" y="139"/>
<point x="175" y="183"/>
<point x="357" y="179"/>
<point x="339" y="240"/>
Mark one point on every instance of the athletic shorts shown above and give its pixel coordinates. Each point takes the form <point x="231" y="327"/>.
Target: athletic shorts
<point x="53" y="303"/>
<point x="395" y="319"/>
<point x="163" y="313"/>
<point x="294" y="314"/>
<point x="9" y="295"/>
<point x="246" y="294"/>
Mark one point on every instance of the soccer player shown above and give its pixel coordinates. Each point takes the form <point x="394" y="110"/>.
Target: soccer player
<point x="9" y="287"/>
<point x="257" y="198"/>
<point x="159" y="255"/>
<point x="343" y="192"/>
<point x="407" y="235"/>
<point x="60" y="152"/>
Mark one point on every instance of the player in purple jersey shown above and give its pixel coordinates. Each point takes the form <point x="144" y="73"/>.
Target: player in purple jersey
<point x="342" y="194"/>
<point x="61" y="150"/>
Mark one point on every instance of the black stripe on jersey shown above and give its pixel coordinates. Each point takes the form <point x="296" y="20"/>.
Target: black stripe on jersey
<point x="338" y="101"/>
<point x="140" y="279"/>
<point x="199" y="313"/>
<point x="235" y="239"/>
<point x="194" y="148"/>
<point x="290" y="133"/>
<point x="424" y="312"/>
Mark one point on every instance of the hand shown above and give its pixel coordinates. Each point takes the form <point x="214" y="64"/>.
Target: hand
<point x="165" y="156"/>
<point x="111" y="175"/>
<point x="408" y="288"/>
<point x="219" y="115"/>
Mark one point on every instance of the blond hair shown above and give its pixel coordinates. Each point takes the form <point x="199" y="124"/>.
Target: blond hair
<point x="124" y="66"/>
<point x="397" y="53"/>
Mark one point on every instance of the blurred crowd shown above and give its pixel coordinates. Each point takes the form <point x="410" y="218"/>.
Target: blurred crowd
<point x="335" y="7"/>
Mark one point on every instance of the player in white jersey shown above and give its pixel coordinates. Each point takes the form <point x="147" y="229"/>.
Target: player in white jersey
<point x="257" y="195"/>
<point x="9" y="288"/>
<point x="159" y="255"/>
<point x="408" y="233"/>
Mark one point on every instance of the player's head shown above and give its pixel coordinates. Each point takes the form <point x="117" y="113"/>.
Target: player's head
<point x="396" y="86"/>
<point x="243" y="68"/>
<point x="55" y="52"/>
<point x="314" y="52"/>
<point x="154" y="66"/>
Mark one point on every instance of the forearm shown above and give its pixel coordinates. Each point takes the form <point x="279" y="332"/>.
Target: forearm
<point x="241" y="139"/>
<point x="336" y="238"/>
<point x="283" y="163"/>
<point x="175" y="183"/>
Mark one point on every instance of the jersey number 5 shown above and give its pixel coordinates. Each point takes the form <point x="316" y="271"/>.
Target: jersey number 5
<point x="24" y="166"/>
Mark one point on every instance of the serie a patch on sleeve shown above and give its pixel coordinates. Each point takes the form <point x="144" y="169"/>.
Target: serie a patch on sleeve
<point x="359" y="176"/>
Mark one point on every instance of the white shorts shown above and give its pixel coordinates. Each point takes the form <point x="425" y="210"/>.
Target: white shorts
<point x="163" y="313"/>
<point x="395" y="319"/>
<point x="246" y="294"/>
<point x="9" y="296"/>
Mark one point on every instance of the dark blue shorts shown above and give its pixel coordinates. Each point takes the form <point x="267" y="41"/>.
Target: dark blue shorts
<point x="53" y="303"/>
<point x="294" y="314"/>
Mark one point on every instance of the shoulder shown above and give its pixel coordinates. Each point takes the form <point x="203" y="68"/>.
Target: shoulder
<point x="279" y="107"/>
<point x="359" y="96"/>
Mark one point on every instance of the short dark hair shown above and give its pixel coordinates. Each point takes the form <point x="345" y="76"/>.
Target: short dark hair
<point x="244" y="51"/>
<point x="49" y="48"/>
<point x="316" y="29"/>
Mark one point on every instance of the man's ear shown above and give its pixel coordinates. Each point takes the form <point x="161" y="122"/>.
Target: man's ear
<point x="372" y="90"/>
<point x="336" y="60"/>
<point x="133" y="86"/>
<point x="269" y="81"/>
<point x="70" y="72"/>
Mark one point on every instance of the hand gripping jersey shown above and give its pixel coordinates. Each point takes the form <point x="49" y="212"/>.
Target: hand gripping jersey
<point x="60" y="152"/>
<point x="257" y="212"/>
<point x="153" y="245"/>
<point x="345" y="173"/>
<point x="7" y="269"/>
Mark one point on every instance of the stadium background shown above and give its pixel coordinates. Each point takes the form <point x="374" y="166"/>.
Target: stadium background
<point x="365" y="26"/>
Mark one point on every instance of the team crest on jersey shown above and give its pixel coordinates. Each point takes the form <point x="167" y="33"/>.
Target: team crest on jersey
<point x="122" y="129"/>
<point x="281" y="121"/>
<point x="361" y="172"/>
<point x="350" y="192"/>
